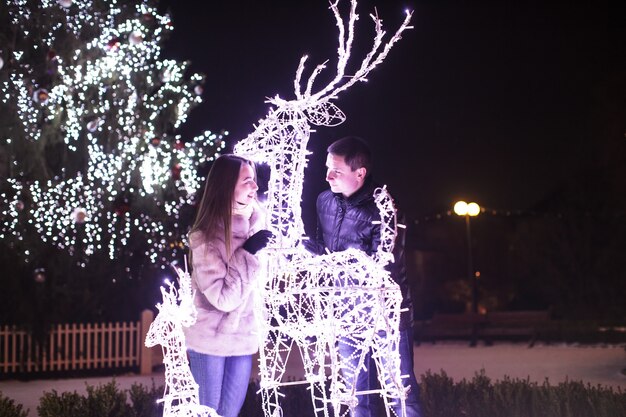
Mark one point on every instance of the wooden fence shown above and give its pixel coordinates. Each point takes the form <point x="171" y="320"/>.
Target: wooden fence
<point x="72" y="347"/>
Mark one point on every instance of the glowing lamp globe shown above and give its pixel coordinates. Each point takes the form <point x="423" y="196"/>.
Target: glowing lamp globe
<point x="473" y="209"/>
<point x="462" y="208"/>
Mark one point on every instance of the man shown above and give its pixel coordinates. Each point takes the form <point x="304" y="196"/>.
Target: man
<point x="345" y="216"/>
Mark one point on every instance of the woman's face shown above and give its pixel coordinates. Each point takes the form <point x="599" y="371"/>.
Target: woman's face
<point x="245" y="190"/>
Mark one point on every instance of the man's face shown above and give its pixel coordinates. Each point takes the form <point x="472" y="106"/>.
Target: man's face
<point x="341" y="178"/>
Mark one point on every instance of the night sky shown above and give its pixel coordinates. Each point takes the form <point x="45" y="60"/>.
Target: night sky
<point x="491" y="101"/>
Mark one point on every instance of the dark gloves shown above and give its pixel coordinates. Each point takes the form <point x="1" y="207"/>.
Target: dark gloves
<point x="312" y="246"/>
<point x="257" y="241"/>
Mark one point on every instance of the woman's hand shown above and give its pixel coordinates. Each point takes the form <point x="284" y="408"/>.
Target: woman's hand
<point x="257" y="241"/>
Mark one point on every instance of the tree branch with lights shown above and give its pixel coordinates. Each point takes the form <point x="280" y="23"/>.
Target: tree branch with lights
<point x="93" y="165"/>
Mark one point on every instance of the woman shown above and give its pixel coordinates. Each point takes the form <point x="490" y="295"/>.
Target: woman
<point x="223" y="241"/>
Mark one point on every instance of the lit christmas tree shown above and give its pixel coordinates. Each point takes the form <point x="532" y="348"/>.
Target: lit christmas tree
<point x="94" y="177"/>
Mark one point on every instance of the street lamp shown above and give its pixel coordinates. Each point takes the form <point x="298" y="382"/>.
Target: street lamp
<point x="468" y="210"/>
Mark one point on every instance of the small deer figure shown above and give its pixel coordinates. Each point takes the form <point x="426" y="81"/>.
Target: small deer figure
<point x="302" y="298"/>
<point x="180" y="398"/>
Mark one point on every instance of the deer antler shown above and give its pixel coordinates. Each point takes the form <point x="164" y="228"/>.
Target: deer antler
<point x="375" y="56"/>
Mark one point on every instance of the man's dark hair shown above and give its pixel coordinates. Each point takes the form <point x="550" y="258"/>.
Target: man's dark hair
<point x="355" y="152"/>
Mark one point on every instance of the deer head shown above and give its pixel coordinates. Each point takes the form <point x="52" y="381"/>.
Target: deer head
<point x="177" y="308"/>
<point x="315" y="107"/>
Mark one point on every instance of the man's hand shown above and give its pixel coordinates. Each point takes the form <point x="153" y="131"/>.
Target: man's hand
<point x="312" y="246"/>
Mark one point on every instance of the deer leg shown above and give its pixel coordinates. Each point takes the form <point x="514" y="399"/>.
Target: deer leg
<point x="272" y="366"/>
<point x="385" y="355"/>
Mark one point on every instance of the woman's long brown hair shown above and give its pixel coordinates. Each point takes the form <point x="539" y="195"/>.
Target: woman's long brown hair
<point x="216" y="206"/>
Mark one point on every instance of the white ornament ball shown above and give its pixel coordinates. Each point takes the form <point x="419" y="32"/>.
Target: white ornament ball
<point x="1" y="62"/>
<point x="79" y="215"/>
<point x="65" y="3"/>
<point x="165" y="75"/>
<point x="198" y="90"/>
<point x="92" y="126"/>
<point x="135" y="38"/>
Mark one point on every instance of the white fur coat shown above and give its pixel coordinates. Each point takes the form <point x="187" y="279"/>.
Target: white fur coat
<point x="224" y="299"/>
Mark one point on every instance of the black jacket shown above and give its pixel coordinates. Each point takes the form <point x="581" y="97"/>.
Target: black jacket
<point x="344" y="223"/>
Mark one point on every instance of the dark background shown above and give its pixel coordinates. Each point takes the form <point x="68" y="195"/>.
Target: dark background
<point x="496" y="102"/>
<point x="518" y="106"/>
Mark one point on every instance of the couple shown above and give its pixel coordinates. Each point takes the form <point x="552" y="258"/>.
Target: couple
<point x="224" y="240"/>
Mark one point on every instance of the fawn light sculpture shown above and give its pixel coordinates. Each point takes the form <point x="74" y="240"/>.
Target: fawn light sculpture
<point x="180" y="398"/>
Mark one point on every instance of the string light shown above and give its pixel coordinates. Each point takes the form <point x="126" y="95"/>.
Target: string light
<point x="509" y="213"/>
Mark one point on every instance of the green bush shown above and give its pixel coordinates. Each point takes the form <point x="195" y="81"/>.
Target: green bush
<point x="144" y="400"/>
<point x="440" y="396"/>
<point x="67" y="404"/>
<point x="8" y="408"/>
<point x="106" y="400"/>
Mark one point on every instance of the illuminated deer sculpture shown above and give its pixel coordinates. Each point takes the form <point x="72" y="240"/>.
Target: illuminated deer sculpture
<point x="180" y="398"/>
<point x="316" y="301"/>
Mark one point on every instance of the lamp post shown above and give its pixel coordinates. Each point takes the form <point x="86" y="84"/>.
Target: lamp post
<point x="468" y="210"/>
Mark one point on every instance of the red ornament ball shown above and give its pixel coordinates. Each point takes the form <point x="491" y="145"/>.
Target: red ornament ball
<point x="176" y="169"/>
<point x="113" y="44"/>
<point x="41" y="96"/>
<point x="122" y="208"/>
<point x="39" y="275"/>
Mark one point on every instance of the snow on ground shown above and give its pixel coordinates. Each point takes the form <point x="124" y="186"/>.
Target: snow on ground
<point x="596" y="365"/>
<point x="591" y="364"/>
